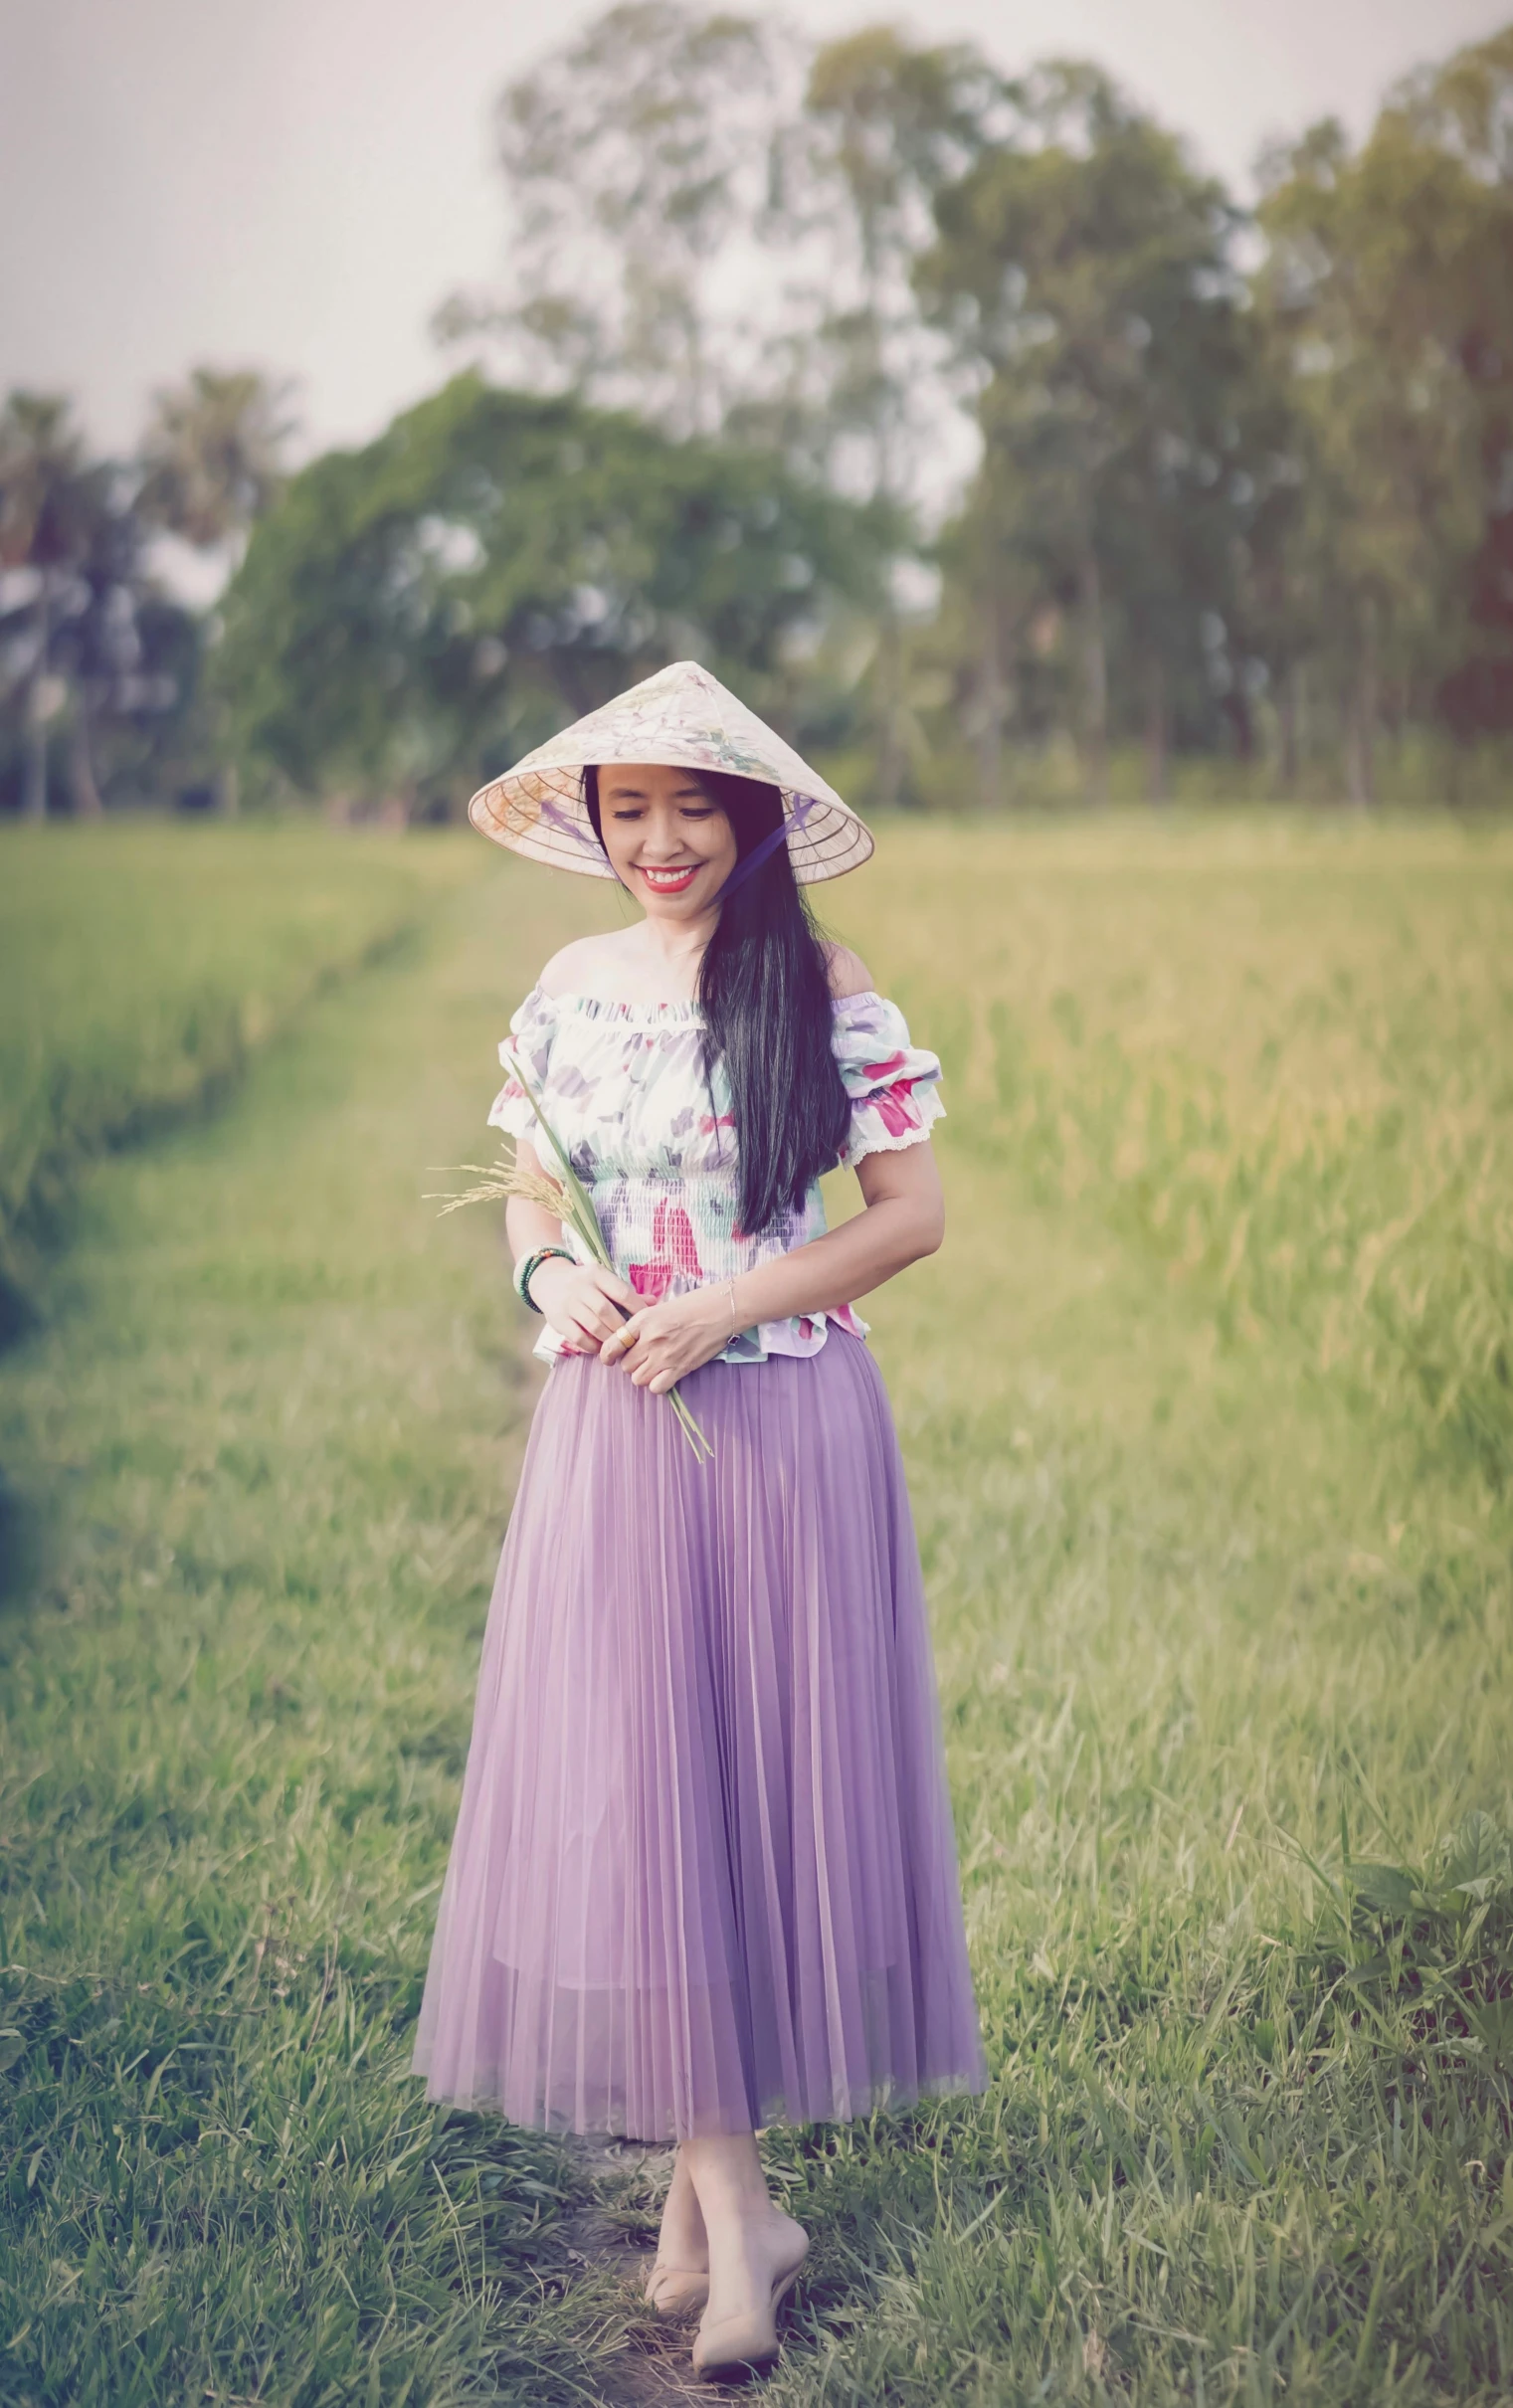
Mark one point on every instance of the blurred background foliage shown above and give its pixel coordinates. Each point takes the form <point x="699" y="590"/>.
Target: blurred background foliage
<point x="980" y="436"/>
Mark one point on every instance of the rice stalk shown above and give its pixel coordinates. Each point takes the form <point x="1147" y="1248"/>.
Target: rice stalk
<point x="569" y="1202"/>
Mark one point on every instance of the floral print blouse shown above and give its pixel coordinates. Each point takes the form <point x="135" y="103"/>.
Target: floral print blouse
<point x="624" y="1087"/>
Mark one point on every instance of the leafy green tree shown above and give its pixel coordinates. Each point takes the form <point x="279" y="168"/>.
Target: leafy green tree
<point x="715" y="225"/>
<point x="883" y="126"/>
<point x="1363" y="287"/>
<point x="418" y="613"/>
<point x="1084" y="271"/>
<point x="634" y="157"/>
<point x="860" y="389"/>
<point x="1465" y="110"/>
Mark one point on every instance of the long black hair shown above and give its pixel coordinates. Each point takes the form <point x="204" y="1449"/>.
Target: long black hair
<point x="764" y="995"/>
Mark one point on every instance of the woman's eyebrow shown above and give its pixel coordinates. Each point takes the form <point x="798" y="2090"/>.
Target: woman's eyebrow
<point x="637" y="794"/>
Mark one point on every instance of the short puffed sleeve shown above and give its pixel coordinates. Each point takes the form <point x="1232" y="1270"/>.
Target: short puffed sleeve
<point x="894" y="1085"/>
<point x="531" y="1032"/>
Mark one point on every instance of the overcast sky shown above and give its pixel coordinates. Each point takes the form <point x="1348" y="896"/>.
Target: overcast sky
<point x="297" y="183"/>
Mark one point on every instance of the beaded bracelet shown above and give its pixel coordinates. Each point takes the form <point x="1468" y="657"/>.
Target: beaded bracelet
<point x="528" y="1266"/>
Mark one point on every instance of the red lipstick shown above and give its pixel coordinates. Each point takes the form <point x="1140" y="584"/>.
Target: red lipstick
<point x="672" y="882"/>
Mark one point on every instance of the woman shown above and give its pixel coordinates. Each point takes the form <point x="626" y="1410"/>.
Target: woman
<point x="704" y="1877"/>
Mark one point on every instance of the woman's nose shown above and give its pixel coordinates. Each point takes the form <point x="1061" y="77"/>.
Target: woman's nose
<point x="663" y="842"/>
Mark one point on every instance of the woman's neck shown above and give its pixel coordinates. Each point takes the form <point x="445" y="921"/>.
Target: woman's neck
<point x="673" y="950"/>
<point x="650" y="963"/>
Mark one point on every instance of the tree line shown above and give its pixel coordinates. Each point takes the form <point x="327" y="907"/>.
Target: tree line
<point x="961" y="418"/>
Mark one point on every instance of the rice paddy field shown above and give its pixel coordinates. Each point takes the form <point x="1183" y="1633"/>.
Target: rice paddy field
<point x="140" y="969"/>
<point x="1207" y="1408"/>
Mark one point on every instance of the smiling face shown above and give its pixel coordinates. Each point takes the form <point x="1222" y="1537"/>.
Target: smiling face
<point x="667" y="843"/>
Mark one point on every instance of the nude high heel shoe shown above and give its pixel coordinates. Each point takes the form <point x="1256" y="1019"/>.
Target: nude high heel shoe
<point x="739" y="2347"/>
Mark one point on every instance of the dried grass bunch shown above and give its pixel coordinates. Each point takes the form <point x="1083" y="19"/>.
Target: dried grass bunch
<point x="567" y="1200"/>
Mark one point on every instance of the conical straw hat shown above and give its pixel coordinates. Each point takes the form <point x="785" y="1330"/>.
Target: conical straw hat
<point x="683" y="718"/>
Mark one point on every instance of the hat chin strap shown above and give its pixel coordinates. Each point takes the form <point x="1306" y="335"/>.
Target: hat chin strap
<point x="768" y="847"/>
<point x="569" y="827"/>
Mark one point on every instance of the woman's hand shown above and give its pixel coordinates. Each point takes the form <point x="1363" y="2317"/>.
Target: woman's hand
<point x="663" y="1343"/>
<point x="580" y="1301"/>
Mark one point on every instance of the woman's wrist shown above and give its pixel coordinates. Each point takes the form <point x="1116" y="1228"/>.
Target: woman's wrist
<point x="547" y="1264"/>
<point x="530" y="1263"/>
<point x="717" y="1304"/>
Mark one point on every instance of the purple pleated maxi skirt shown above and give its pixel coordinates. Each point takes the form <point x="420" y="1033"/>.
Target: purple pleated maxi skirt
<point x="704" y="1875"/>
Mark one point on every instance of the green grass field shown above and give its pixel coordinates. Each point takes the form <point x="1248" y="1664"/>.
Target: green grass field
<point x="1208" y="1405"/>
<point x="144" y="965"/>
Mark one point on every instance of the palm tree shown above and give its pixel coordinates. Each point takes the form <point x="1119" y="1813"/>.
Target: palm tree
<point x="49" y="506"/>
<point x="213" y="461"/>
<point x="213" y="456"/>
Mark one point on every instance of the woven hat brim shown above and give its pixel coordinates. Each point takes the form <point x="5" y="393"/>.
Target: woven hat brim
<point x="543" y="815"/>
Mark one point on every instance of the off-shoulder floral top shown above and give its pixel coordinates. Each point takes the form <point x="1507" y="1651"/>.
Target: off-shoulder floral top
<point x="624" y="1087"/>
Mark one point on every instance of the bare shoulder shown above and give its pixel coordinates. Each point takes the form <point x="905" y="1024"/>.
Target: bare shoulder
<point x="573" y="970"/>
<point x="848" y="974"/>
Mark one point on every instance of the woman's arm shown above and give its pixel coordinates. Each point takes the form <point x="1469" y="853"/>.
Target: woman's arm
<point x="904" y="1219"/>
<point x="580" y="1300"/>
<point x="528" y="1225"/>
